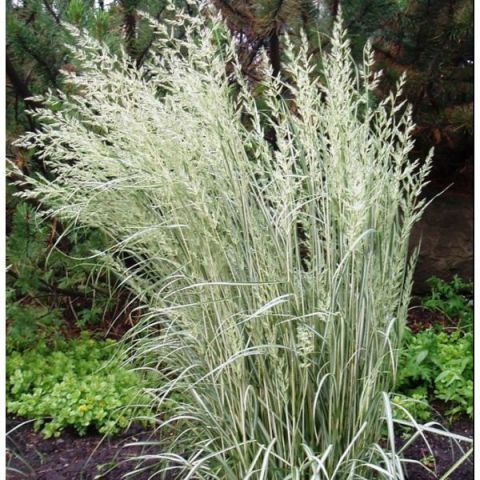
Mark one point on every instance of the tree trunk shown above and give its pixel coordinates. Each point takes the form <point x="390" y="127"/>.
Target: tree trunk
<point x="130" y="23"/>
<point x="335" y="5"/>
<point x="21" y="88"/>
<point x="274" y="53"/>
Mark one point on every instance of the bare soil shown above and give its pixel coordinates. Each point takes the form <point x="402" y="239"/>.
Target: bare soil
<point x="70" y="457"/>
<point x="420" y="319"/>
<point x="445" y="454"/>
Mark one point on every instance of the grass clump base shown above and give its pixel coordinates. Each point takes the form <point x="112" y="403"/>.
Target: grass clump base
<point x="276" y="274"/>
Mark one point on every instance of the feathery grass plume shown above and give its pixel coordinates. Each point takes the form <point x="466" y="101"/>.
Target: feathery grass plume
<point x="277" y="278"/>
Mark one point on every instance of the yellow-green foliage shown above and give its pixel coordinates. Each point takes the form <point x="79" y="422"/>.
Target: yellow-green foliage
<point x="73" y="383"/>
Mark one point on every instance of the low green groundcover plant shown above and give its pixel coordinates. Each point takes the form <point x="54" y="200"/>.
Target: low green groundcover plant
<point x="443" y="363"/>
<point x="414" y="404"/>
<point x="438" y="362"/>
<point x="74" y="383"/>
<point x="276" y="273"/>
<point x="454" y="299"/>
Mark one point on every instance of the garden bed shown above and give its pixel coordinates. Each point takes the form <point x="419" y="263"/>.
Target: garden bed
<point x="94" y="457"/>
<point x="445" y="454"/>
<point x="70" y="456"/>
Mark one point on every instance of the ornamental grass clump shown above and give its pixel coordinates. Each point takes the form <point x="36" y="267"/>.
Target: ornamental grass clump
<point x="276" y="275"/>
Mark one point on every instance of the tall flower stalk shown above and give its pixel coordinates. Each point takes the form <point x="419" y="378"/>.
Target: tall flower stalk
<point x="276" y="278"/>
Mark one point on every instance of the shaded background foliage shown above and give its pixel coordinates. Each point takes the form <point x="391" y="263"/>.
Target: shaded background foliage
<point x="431" y="41"/>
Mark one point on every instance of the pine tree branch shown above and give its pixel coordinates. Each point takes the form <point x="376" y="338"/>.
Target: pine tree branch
<point x="274" y="42"/>
<point x="51" y="11"/>
<point x="143" y="54"/>
<point x="130" y="23"/>
<point x="51" y="73"/>
<point x="359" y="17"/>
<point x="21" y="89"/>
<point x="225" y="5"/>
<point x="277" y="10"/>
<point x="19" y="85"/>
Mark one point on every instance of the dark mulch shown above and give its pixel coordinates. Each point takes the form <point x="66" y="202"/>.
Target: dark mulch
<point x="445" y="454"/>
<point x="71" y="457"/>
<point x="420" y="319"/>
<point x="87" y="458"/>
